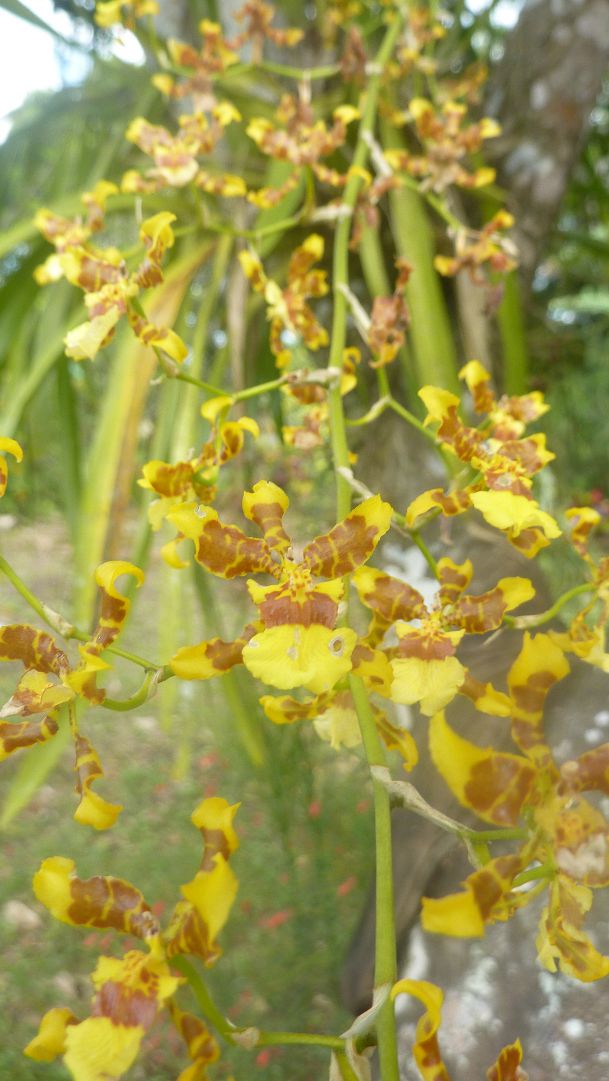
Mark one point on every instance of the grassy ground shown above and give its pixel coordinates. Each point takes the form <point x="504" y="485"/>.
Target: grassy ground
<point x="304" y="862"/>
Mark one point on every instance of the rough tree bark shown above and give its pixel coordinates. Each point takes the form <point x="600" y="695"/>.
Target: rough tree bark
<point x="543" y="92"/>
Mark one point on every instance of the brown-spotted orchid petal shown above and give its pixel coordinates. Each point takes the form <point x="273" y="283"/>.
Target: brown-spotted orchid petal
<point x="222" y="549"/>
<point x="350" y="543"/>
<point x="494" y="784"/>
<point x="484" y="900"/>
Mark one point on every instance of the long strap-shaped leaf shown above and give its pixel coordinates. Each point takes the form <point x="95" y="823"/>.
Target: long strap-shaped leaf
<point x="431" y="336"/>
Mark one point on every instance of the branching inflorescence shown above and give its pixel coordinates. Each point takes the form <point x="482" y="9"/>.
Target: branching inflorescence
<point x="326" y="170"/>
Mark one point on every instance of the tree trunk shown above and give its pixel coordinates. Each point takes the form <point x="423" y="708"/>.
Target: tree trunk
<point x="543" y="92"/>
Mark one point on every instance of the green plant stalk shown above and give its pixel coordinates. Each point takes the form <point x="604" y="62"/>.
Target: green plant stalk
<point x="260" y="1037"/>
<point x="346" y="1070"/>
<point x="410" y="418"/>
<point x="141" y="695"/>
<point x="245" y="723"/>
<point x="324" y="71"/>
<point x="240" y="395"/>
<point x="49" y="615"/>
<point x="385" y="964"/>
<point x="385" y="948"/>
<point x="312" y="1039"/>
<point x="62" y="626"/>
<point x="186" y="377"/>
<point x="204" y="1000"/>
<point x="522" y="622"/>
<point x="547" y="870"/>
<point x="515" y="833"/>
<point x="417" y="539"/>
<point x="513" y="337"/>
<point x="451" y="464"/>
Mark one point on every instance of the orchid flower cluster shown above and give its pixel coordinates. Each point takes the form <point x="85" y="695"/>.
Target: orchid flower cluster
<point x="334" y="640"/>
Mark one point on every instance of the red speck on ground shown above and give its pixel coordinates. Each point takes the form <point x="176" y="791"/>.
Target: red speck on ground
<point x="206" y="761"/>
<point x="277" y="919"/>
<point x="314" y="809"/>
<point x="346" y="886"/>
<point x="264" y="1057"/>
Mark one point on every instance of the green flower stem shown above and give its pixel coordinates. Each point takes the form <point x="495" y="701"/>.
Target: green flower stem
<point x="515" y="833"/>
<point x="324" y="71"/>
<point x="413" y="421"/>
<point x="424" y="550"/>
<point x="49" y="615"/>
<point x="449" y="461"/>
<point x="385" y="953"/>
<point x="249" y="392"/>
<point x="340" y="270"/>
<point x="373" y="413"/>
<point x="440" y="208"/>
<point x="270" y="1039"/>
<point x="184" y="377"/>
<point x="206" y="1004"/>
<point x="257" y="234"/>
<point x="142" y="695"/>
<point x="260" y="388"/>
<point x="259" y="1037"/>
<point x="404" y="794"/>
<point x="522" y="622"/>
<point x="57" y="622"/>
<point x="346" y="1069"/>
<point x="385" y="949"/>
<point x="142" y="662"/>
<point x="534" y="874"/>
